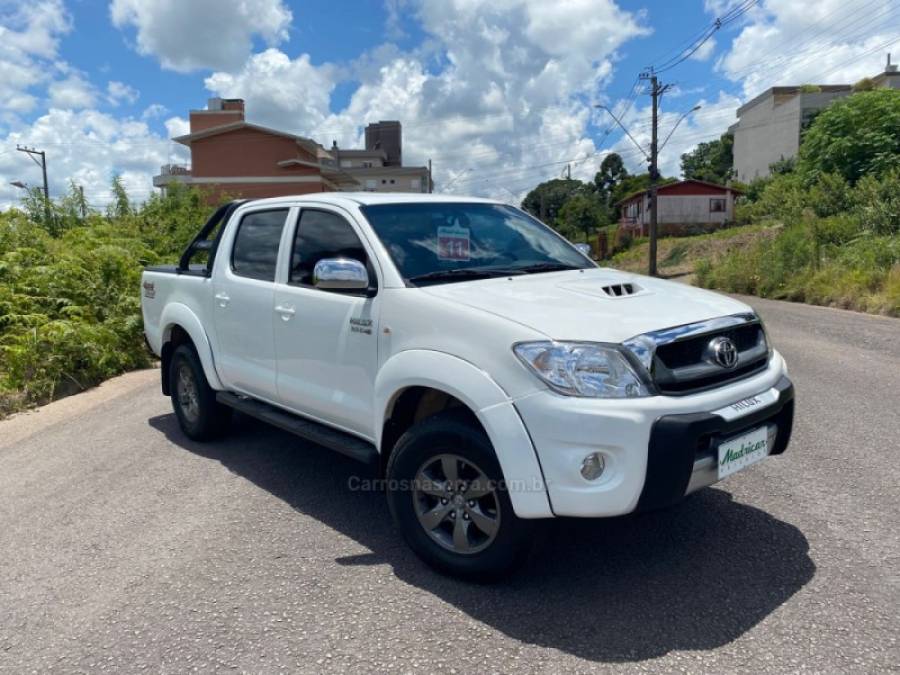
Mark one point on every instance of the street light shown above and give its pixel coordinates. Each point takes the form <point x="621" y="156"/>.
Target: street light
<point x="694" y="109"/>
<point x="19" y="184"/>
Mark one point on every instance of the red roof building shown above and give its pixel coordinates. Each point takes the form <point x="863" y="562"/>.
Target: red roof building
<point x="683" y="206"/>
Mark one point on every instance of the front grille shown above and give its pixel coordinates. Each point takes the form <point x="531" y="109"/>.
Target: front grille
<point x="686" y="365"/>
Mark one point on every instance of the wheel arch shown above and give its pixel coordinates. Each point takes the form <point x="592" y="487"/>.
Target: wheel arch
<point x="416" y="384"/>
<point x="181" y="326"/>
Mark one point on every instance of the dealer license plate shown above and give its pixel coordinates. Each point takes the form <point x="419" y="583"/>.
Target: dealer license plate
<point x="741" y="452"/>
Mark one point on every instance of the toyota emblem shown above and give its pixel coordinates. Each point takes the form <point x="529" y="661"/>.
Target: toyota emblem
<point x="724" y="351"/>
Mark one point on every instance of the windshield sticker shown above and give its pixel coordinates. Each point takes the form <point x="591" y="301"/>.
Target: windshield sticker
<point x="453" y="243"/>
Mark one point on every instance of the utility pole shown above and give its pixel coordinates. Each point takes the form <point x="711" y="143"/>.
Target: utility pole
<point x="656" y="91"/>
<point x="430" y="183"/>
<point x="34" y="154"/>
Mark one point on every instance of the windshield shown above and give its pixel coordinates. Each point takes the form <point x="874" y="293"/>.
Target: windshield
<point x="441" y="242"/>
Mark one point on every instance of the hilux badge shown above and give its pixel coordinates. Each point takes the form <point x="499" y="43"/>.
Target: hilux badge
<point x="724" y="352"/>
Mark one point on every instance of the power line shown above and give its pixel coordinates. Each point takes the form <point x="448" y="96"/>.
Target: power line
<point x="729" y="17"/>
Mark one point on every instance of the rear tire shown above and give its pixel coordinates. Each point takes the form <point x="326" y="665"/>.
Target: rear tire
<point x="199" y="415"/>
<point x="446" y="495"/>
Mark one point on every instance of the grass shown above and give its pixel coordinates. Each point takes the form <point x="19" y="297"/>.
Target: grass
<point x="782" y="262"/>
<point x="678" y="256"/>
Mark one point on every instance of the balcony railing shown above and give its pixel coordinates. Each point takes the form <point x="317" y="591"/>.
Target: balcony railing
<point x="175" y="170"/>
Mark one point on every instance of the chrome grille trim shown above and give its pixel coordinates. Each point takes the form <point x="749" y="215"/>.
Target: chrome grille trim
<point x="645" y="347"/>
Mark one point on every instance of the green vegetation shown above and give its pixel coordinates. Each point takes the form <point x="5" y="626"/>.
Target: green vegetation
<point x="678" y="256"/>
<point x="547" y="199"/>
<point x="837" y="213"/>
<point x="835" y="245"/>
<point x="578" y="210"/>
<point x="854" y="137"/>
<point x="823" y="228"/>
<point x="710" y="161"/>
<point x="69" y="288"/>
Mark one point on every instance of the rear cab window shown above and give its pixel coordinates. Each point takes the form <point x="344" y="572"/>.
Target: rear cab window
<point x="254" y="254"/>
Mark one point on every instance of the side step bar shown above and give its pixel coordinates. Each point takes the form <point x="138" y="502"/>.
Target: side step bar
<point x="339" y="441"/>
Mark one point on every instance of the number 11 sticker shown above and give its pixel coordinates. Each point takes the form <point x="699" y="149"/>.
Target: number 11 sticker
<point x="453" y="243"/>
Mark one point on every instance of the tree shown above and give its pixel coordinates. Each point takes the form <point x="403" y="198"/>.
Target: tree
<point x="547" y="199"/>
<point x="582" y="213"/>
<point x="712" y="161"/>
<point x="612" y="172"/>
<point x="854" y="137"/>
<point x="120" y="206"/>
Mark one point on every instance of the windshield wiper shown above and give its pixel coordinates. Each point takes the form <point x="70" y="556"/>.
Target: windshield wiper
<point x="546" y="267"/>
<point x="465" y="273"/>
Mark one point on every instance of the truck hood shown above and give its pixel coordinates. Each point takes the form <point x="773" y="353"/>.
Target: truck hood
<point x="584" y="305"/>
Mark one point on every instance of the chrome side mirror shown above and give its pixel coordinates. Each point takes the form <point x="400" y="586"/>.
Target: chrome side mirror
<point x="340" y="274"/>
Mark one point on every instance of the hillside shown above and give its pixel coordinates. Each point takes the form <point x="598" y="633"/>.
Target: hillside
<point x="678" y="256"/>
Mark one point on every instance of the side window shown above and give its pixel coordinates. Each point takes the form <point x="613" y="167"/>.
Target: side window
<point x="255" y="251"/>
<point x="321" y="234"/>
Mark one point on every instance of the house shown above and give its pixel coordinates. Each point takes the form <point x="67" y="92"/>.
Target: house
<point x="232" y="156"/>
<point x="684" y="207"/>
<point x="769" y="127"/>
<point x="379" y="167"/>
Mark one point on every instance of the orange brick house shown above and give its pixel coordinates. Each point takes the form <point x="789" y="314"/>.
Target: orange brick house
<point x="232" y="156"/>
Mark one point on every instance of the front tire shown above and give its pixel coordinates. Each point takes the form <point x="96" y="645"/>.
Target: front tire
<point x="199" y="415"/>
<point x="447" y="497"/>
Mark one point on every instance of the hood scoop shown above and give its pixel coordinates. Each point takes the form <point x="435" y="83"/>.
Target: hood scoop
<point x="621" y="290"/>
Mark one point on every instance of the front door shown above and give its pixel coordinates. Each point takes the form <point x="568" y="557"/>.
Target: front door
<point x="244" y="297"/>
<point x="326" y="341"/>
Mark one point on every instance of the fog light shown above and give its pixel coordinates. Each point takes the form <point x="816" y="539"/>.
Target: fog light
<point x="593" y="465"/>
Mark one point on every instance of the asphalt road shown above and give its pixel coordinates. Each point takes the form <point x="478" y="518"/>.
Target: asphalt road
<point x="123" y="546"/>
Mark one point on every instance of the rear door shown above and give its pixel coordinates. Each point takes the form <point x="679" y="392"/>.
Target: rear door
<point x="326" y="341"/>
<point x="243" y="296"/>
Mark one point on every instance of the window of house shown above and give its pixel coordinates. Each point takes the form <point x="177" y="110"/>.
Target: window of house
<point x="717" y="206"/>
<point x="415" y="183"/>
<point x="255" y="251"/>
<point x="322" y="234"/>
<point x="367" y="165"/>
<point x="392" y="181"/>
<point x="383" y="181"/>
<point x="347" y="162"/>
<point x="371" y="183"/>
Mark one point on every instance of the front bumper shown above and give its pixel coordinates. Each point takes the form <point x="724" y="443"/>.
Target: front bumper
<point x="656" y="450"/>
<point x="681" y="456"/>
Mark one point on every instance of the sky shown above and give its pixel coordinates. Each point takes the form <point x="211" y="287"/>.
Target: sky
<point x="499" y="94"/>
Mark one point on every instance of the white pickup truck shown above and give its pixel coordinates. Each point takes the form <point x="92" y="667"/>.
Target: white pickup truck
<point x="489" y="372"/>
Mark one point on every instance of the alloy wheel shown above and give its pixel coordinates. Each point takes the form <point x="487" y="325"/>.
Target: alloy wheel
<point x="456" y="504"/>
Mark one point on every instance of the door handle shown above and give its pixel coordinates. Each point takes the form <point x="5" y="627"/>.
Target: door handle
<point x="223" y="299"/>
<point x="286" y="311"/>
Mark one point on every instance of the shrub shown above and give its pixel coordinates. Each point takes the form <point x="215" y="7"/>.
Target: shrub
<point x="70" y="311"/>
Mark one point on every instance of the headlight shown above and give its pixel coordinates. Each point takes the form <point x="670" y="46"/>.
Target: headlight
<point x="582" y="369"/>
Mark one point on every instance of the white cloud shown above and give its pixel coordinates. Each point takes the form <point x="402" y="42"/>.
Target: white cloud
<point x="153" y="111"/>
<point x="293" y="95"/>
<point x="826" y="42"/>
<point x="512" y="90"/>
<point x="119" y="92"/>
<point x="177" y="126"/>
<point x="29" y="38"/>
<point x="73" y="92"/>
<point x="217" y="34"/>
<point x="88" y="147"/>
<point x="704" y="51"/>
